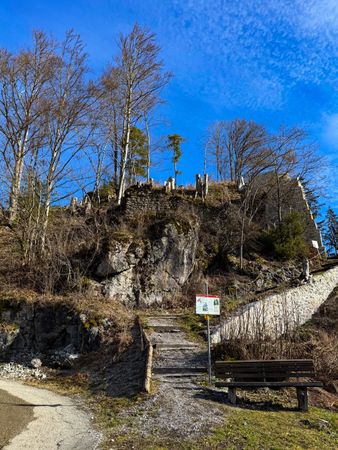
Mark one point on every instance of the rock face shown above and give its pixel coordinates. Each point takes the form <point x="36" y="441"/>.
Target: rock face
<point x="152" y="271"/>
<point x="53" y="333"/>
<point x="35" y="335"/>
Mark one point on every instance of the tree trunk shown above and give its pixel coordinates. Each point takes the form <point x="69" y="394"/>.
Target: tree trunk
<point x="242" y="243"/>
<point x="148" y="149"/>
<point x="17" y="177"/>
<point x="15" y="188"/>
<point x="116" y="149"/>
<point x="124" y="158"/>
<point x="49" y="190"/>
<point x="279" y="202"/>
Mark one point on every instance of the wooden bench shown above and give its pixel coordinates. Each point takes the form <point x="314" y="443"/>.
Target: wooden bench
<point x="270" y="374"/>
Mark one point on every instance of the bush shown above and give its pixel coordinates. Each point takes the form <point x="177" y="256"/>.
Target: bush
<point x="287" y="240"/>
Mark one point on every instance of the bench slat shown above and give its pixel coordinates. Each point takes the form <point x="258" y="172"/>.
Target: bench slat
<point x="265" y="375"/>
<point x="266" y="366"/>
<point x="257" y="384"/>
<point x="261" y="368"/>
<point x="267" y="361"/>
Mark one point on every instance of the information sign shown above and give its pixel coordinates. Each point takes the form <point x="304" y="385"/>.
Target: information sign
<point x="207" y="305"/>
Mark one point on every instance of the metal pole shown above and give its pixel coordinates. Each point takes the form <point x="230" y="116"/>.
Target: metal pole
<point x="209" y="343"/>
<point x="209" y="351"/>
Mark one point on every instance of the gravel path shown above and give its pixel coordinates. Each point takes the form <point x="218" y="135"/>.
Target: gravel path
<point x="56" y="421"/>
<point x="180" y="407"/>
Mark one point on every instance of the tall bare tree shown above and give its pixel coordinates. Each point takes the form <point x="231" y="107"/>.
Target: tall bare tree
<point x="23" y="79"/>
<point x="236" y="147"/>
<point x="66" y="129"/>
<point x="139" y="72"/>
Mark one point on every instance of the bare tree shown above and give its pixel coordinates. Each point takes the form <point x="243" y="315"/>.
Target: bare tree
<point x="66" y="129"/>
<point x="23" y="79"/>
<point x="140" y="79"/>
<point x="236" y="147"/>
<point x="215" y="147"/>
<point x="111" y="117"/>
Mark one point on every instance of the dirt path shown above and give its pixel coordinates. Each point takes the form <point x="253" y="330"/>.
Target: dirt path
<point x="180" y="407"/>
<point x="50" y="421"/>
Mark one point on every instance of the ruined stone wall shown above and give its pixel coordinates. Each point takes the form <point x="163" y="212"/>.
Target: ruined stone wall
<point x="143" y="198"/>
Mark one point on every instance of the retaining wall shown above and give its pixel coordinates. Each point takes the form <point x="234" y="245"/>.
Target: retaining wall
<point x="278" y="313"/>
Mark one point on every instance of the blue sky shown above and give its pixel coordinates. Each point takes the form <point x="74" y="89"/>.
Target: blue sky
<point x="273" y="61"/>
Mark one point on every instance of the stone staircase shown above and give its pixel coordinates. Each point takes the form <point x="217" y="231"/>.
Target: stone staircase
<point x="177" y="358"/>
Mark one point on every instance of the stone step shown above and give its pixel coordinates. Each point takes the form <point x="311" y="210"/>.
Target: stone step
<point x="165" y="329"/>
<point x="163" y="316"/>
<point x="179" y="370"/>
<point x="175" y="380"/>
<point x="176" y="375"/>
<point x="163" y="346"/>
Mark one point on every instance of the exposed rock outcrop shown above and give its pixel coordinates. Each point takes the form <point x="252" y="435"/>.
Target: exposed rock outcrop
<point x="53" y="333"/>
<point x="151" y="271"/>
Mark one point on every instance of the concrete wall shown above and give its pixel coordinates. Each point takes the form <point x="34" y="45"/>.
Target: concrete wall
<point x="278" y="313"/>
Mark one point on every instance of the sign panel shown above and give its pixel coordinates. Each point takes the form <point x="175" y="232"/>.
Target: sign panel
<point x="207" y="305"/>
<point x="315" y="245"/>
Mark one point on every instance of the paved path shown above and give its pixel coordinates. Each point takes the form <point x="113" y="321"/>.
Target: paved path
<point x="42" y="420"/>
<point x="15" y="415"/>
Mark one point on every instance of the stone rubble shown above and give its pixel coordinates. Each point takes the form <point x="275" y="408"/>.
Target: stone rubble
<point x="13" y="371"/>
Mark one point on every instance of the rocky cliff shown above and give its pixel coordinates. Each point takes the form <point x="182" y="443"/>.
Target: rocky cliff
<point x="152" y="270"/>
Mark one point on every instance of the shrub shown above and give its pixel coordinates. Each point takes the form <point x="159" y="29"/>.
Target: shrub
<point x="287" y="241"/>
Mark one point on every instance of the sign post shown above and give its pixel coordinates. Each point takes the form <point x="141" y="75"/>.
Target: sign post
<point x="208" y="305"/>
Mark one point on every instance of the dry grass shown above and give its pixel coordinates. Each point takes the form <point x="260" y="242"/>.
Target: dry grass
<point x="94" y="307"/>
<point x="317" y="340"/>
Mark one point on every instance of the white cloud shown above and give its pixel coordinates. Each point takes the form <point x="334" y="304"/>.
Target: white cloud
<point x="252" y="52"/>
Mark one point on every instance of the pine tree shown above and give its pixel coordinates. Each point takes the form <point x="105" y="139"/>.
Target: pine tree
<point x="174" y="144"/>
<point x="331" y="230"/>
<point x="138" y="153"/>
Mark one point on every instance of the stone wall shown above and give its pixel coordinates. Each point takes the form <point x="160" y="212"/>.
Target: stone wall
<point x="144" y="198"/>
<point x="279" y="313"/>
<point x="45" y="331"/>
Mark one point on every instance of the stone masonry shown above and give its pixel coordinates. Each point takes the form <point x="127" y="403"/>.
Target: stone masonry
<point x="278" y="313"/>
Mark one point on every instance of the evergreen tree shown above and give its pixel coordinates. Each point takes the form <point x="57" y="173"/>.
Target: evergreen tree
<point x="287" y="240"/>
<point x="138" y="155"/>
<point x="174" y="144"/>
<point x="331" y="230"/>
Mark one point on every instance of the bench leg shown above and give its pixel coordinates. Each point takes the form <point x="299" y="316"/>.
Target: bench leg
<point x="302" y="399"/>
<point x="232" y="395"/>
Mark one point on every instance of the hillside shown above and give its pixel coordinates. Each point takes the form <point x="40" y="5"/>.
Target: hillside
<point x="75" y="319"/>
